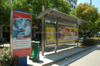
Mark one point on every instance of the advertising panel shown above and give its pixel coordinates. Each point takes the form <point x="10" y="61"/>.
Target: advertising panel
<point x="67" y="33"/>
<point x="50" y="34"/>
<point x="21" y="34"/>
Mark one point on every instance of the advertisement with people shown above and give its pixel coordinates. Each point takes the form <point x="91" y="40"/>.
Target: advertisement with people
<point x="21" y="34"/>
<point x="21" y="28"/>
<point x="50" y="34"/>
<point x="67" y="33"/>
<point x="74" y="32"/>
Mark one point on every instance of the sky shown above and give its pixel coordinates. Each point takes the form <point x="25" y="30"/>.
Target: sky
<point x="96" y="3"/>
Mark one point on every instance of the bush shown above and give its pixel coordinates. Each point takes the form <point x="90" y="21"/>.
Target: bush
<point x="97" y="40"/>
<point x="88" y="42"/>
<point x="6" y="58"/>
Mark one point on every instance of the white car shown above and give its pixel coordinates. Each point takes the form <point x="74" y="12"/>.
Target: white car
<point x="98" y="34"/>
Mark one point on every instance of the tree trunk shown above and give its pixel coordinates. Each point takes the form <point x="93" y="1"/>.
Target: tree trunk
<point x="84" y="37"/>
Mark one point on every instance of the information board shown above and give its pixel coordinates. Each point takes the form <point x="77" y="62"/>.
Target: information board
<point x="21" y="38"/>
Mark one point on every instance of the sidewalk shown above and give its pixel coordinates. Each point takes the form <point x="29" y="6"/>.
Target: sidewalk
<point x="6" y="44"/>
<point x="49" y="59"/>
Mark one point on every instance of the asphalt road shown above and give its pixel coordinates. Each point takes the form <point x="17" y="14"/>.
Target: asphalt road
<point x="90" y="57"/>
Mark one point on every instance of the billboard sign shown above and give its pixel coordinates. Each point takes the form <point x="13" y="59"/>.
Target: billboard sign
<point x="67" y="33"/>
<point x="50" y="34"/>
<point x="21" y="34"/>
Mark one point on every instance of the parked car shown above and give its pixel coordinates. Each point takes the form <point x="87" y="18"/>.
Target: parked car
<point x="98" y="34"/>
<point x="82" y="36"/>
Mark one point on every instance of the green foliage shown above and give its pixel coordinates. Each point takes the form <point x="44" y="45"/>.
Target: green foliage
<point x="99" y="15"/>
<point x="88" y="13"/>
<point x="35" y="6"/>
<point x="90" y="41"/>
<point x="72" y="13"/>
<point x="87" y="27"/>
<point x="64" y="6"/>
<point x="97" y="25"/>
<point x="5" y="6"/>
<point x="6" y="58"/>
<point x="21" y="5"/>
<point x="31" y="6"/>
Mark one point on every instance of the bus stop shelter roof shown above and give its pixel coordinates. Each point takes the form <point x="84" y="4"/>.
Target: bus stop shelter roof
<point x="54" y="15"/>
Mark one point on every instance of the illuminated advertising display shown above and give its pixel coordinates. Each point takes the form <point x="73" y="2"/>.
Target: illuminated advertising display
<point x="67" y="33"/>
<point x="21" y="38"/>
<point x="50" y="34"/>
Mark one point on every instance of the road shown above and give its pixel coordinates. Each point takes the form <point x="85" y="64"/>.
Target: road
<point x="90" y="57"/>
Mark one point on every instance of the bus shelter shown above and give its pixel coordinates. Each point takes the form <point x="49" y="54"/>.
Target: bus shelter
<point x="59" y="21"/>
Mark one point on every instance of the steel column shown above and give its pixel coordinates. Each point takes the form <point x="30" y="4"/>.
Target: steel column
<point x="44" y="33"/>
<point x="56" y="36"/>
<point x="78" y="36"/>
<point x="42" y="38"/>
<point x="11" y="32"/>
<point x="31" y="35"/>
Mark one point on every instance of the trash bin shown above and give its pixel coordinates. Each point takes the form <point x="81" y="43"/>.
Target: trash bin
<point x="36" y="49"/>
<point x="35" y="52"/>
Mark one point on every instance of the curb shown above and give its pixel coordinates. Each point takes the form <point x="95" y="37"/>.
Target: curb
<point x="49" y="64"/>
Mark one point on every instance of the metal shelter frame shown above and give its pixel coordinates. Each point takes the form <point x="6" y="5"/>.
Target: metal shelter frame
<point x="58" y="17"/>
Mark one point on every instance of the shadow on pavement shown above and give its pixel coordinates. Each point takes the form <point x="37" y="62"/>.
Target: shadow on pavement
<point x="90" y="51"/>
<point x="59" y="47"/>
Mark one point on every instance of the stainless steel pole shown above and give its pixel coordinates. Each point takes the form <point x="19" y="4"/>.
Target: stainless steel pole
<point x="11" y="32"/>
<point x="31" y="35"/>
<point x="78" y="36"/>
<point x="42" y="38"/>
<point x="44" y="33"/>
<point x="56" y="36"/>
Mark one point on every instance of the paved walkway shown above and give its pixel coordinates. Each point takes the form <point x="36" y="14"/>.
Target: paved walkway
<point x="47" y="60"/>
<point x="6" y="44"/>
<point x="51" y="57"/>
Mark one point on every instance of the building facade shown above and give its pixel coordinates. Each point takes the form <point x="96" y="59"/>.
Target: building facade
<point x="73" y="3"/>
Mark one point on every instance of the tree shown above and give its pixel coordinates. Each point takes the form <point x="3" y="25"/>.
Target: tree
<point x="31" y="6"/>
<point x="5" y="6"/>
<point x="72" y="13"/>
<point x="98" y="25"/>
<point x="99" y="15"/>
<point x="88" y="13"/>
<point x="63" y="6"/>
<point x="35" y="6"/>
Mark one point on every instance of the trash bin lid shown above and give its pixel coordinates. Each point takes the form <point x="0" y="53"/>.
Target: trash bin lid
<point x="37" y="42"/>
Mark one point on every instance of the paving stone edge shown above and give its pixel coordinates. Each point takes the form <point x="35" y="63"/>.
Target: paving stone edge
<point x="49" y="64"/>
